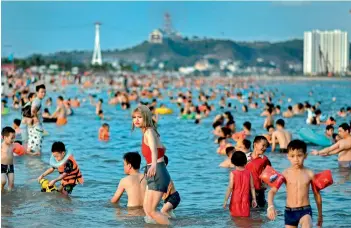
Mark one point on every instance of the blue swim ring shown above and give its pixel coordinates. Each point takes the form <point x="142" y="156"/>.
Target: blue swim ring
<point x="57" y="164"/>
<point x="311" y="136"/>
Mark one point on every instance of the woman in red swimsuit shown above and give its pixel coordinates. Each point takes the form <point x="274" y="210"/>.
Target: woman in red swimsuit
<point x="157" y="176"/>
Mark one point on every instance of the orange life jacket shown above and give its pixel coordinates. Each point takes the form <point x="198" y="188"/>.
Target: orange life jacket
<point x="74" y="177"/>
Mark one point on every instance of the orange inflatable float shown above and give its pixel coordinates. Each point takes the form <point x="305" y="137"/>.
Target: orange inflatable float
<point x="61" y="121"/>
<point x="322" y="180"/>
<point x="18" y="149"/>
<point x="271" y="177"/>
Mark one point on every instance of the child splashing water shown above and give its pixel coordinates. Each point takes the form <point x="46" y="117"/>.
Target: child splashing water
<point x="157" y="176"/>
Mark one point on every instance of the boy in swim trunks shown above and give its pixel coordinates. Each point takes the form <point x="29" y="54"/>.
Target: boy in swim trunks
<point x="70" y="174"/>
<point x="134" y="184"/>
<point x="298" y="179"/>
<point x="171" y="198"/>
<point x="7" y="169"/>
<point x="280" y="136"/>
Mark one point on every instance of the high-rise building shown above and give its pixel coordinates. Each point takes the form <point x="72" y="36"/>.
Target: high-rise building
<point x="325" y="52"/>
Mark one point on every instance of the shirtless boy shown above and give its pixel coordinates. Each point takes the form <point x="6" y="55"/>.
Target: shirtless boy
<point x="282" y="136"/>
<point x="298" y="179"/>
<point x="134" y="184"/>
<point x="7" y="170"/>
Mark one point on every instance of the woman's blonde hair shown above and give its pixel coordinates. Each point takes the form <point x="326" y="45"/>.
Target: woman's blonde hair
<point x="147" y="118"/>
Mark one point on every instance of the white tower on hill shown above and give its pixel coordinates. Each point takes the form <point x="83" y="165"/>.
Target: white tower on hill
<point x="97" y="60"/>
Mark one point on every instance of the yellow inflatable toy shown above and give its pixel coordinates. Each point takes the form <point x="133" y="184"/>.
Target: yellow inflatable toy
<point x="44" y="183"/>
<point x="5" y="111"/>
<point x="163" y="111"/>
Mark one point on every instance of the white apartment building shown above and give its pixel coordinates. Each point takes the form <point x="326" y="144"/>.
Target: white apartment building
<point x="325" y="50"/>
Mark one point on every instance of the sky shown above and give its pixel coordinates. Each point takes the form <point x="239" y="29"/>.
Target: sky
<point x="48" y="27"/>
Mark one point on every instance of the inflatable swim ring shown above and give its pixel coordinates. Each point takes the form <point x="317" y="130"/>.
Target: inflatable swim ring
<point x="57" y="164"/>
<point x="188" y="116"/>
<point x="310" y="136"/>
<point x="5" y="111"/>
<point x="163" y="111"/>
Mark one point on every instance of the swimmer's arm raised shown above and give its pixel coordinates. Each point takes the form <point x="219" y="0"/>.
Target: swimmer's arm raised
<point x="229" y="189"/>
<point x="118" y="193"/>
<point x="327" y="150"/>
<point x="336" y="151"/>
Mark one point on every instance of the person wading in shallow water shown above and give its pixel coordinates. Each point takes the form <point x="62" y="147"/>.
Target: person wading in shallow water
<point x="157" y="176"/>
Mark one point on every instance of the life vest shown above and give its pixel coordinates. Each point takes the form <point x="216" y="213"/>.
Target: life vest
<point x="240" y="199"/>
<point x="74" y="177"/>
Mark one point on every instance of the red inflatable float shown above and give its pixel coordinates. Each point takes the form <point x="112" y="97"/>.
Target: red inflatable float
<point x="18" y="149"/>
<point x="271" y="177"/>
<point x="322" y="180"/>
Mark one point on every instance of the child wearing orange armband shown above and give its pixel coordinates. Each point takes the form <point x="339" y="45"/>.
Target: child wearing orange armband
<point x="298" y="180"/>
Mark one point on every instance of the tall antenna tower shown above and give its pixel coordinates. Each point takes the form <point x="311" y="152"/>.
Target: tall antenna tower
<point x="97" y="60"/>
<point x="168" y="24"/>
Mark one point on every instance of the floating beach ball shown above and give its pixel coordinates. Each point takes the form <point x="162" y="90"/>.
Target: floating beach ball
<point x="289" y="100"/>
<point x="18" y="149"/>
<point x="334" y="99"/>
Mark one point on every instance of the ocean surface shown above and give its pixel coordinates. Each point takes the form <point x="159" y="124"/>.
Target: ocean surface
<point x="193" y="166"/>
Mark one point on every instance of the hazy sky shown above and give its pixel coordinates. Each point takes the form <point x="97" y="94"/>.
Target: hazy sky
<point x="46" y="27"/>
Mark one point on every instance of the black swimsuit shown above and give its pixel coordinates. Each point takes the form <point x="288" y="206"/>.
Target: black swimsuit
<point x="7" y="169"/>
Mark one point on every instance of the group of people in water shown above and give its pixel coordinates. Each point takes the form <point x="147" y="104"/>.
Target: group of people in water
<point x="246" y="188"/>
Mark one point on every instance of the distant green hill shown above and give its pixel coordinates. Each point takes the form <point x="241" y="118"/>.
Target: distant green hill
<point x="185" y="52"/>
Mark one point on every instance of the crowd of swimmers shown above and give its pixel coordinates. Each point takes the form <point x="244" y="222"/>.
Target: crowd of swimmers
<point x="244" y="151"/>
